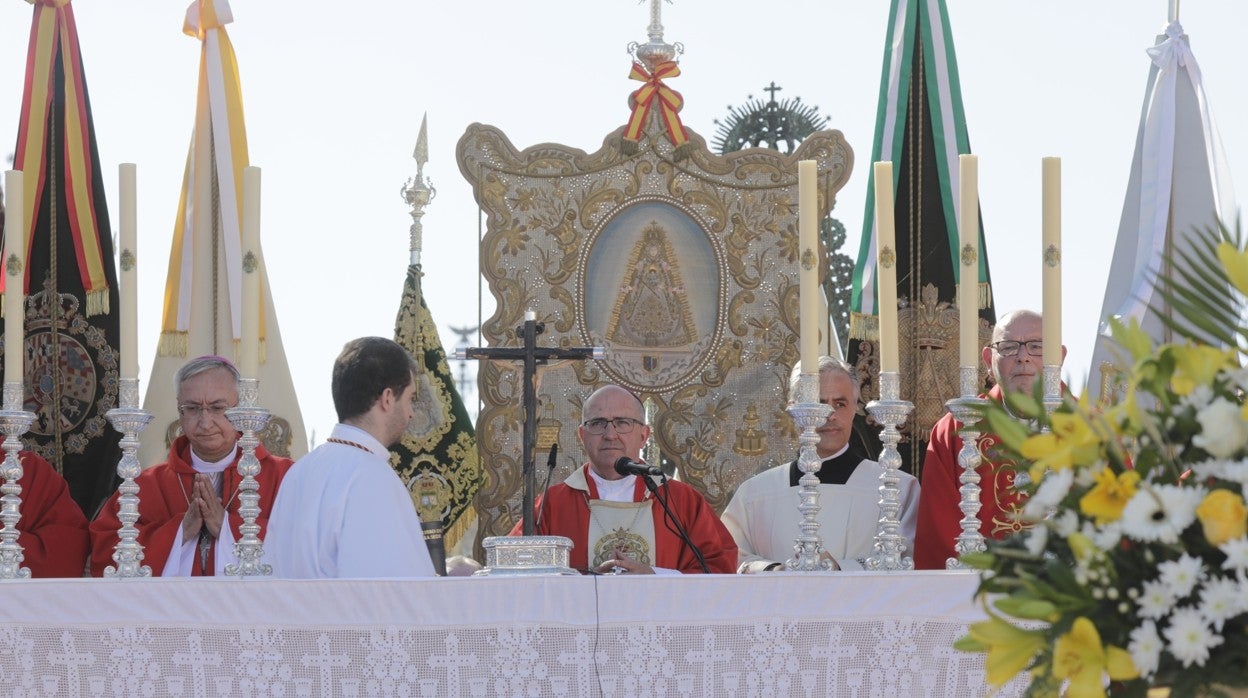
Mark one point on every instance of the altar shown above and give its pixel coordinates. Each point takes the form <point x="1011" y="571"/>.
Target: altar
<point x="847" y="634"/>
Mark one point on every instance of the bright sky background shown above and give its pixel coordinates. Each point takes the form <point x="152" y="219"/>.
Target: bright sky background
<point x="334" y="94"/>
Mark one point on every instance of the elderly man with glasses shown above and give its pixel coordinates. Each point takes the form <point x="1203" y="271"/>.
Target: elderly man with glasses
<point x="1014" y="361"/>
<point x="614" y="520"/>
<point x="183" y="502"/>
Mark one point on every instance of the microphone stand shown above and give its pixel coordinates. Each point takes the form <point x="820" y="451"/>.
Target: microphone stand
<point x="550" y="470"/>
<point x="680" y="530"/>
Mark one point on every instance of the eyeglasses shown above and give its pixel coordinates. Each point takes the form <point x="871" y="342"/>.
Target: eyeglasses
<point x="1008" y="347"/>
<point x="195" y="411"/>
<point x="623" y="425"/>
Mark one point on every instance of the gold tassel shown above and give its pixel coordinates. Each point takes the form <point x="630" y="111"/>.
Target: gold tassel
<point x="682" y="152"/>
<point x="628" y="147"/>
<point x="173" y="344"/>
<point x="97" y="303"/>
<point x="985" y="295"/>
<point x="864" y="327"/>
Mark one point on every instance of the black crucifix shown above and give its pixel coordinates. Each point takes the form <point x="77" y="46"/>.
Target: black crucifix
<point x="531" y="355"/>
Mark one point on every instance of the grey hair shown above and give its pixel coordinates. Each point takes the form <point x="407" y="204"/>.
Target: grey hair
<point x="1003" y="322"/>
<point x="827" y="364"/>
<point x="203" y="364"/>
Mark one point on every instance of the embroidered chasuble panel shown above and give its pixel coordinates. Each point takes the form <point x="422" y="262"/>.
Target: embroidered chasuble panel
<point x="684" y="270"/>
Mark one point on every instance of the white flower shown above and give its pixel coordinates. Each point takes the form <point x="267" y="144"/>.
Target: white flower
<point x="1052" y="490"/>
<point x="1181" y="575"/>
<point x="1239" y="377"/>
<point x="1189" y="638"/>
<point x="1145" y="648"/>
<point x="1105" y="537"/>
<point x="1155" y="599"/>
<point x="1220" y="600"/>
<point x="1236" y="554"/>
<point x="1037" y="540"/>
<point x="1222" y="431"/>
<point x="1199" y="398"/>
<point x="1234" y="470"/>
<point x="1160" y="512"/>
<point x="1065" y="523"/>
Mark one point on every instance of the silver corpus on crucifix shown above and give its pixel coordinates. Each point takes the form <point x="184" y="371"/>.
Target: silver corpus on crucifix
<point x="891" y="411"/>
<point x="129" y="419"/>
<point x="966" y="409"/>
<point x="808" y="413"/>
<point x="14" y="421"/>
<point x="248" y="419"/>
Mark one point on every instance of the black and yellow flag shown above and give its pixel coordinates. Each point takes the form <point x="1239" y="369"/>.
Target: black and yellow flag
<point x="72" y="330"/>
<point x="437" y="457"/>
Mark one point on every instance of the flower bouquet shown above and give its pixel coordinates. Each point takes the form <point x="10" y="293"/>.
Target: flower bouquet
<point x="1134" y="571"/>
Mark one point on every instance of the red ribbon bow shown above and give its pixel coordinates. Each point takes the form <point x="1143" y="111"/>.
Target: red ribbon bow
<point x="670" y="103"/>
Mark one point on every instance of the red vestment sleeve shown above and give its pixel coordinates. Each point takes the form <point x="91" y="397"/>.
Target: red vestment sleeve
<point x="52" y="530"/>
<point x="938" y="520"/>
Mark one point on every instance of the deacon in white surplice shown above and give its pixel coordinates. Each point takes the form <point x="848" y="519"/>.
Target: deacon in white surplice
<point x="342" y="511"/>
<point x="763" y="516"/>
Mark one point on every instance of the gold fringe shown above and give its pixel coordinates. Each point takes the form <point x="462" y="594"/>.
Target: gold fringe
<point x="863" y="326"/>
<point x="173" y="344"/>
<point x="97" y="302"/>
<point x="452" y="535"/>
<point x="262" y="353"/>
<point x="985" y="296"/>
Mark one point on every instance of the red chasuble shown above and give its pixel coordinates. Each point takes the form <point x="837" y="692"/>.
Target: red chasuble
<point x="939" y="516"/>
<point x="52" y="530"/>
<point x="163" y="500"/>
<point x="566" y="513"/>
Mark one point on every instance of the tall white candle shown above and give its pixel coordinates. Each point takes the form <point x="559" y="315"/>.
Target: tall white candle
<point x="128" y="286"/>
<point x="968" y="260"/>
<point x="249" y="349"/>
<point x="14" y="277"/>
<point x="808" y="263"/>
<point x="1051" y="280"/>
<point x="886" y="264"/>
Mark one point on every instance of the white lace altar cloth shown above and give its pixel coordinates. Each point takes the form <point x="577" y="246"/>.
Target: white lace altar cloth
<point x="848" y="634"/>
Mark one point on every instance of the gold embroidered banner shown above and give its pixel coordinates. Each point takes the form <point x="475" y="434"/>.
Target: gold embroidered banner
<point x="685" y="272"/>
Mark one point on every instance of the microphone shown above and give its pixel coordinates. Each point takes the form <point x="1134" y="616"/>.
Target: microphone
<point x="626" y="466"/>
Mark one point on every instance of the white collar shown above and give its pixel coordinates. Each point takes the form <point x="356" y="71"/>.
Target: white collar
<point x="614" y="490"/>
<point x="202" y="466"/>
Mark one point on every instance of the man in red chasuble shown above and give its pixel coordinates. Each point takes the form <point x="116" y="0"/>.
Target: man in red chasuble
<point x="52" y="529"/>
<point x="183" y="503"/>
<point x="613" y="520"/>
<point x="1014" y="360"/>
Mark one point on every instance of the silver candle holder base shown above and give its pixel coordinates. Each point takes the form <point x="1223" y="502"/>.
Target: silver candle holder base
<point x="891" y="411"/>
<point x="129" y="419"/>
<point x="967" y="410"/>
<point x="809" y="414"/>
<point x="14" y="421"/>
<point x="1052" y="377"/>
<point x="250" y="420"/>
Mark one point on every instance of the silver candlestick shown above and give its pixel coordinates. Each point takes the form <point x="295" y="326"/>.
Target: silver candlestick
<point x="808" y="413"/>
<point x="966" y="409"/>
<point x="890" y="410"/>
<point x="1052" y="377"/>
<point x="249" y="420"/>
<point x="129" y="419"/>
<point x="14" y="421"/>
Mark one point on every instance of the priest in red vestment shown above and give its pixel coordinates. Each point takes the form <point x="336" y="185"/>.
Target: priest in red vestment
<point x="1014" y="360"/>
<point x="183" y="502"/>
<point x="52" y="529"/>
<point x="613" y="520"/>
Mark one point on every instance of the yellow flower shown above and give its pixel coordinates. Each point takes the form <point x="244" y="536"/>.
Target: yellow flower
<point x="1105" y="501"/>
<point x="1223" y="516"/>
<point x="1071" y="442"/>
<point x="1235" y="262"/>
<point x="1079" y="656"/>
<point x="1197" y="365"/>
<point x="1010" y="649"/>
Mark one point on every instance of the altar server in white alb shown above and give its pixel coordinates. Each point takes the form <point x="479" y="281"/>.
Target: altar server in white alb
<point x="342" y="511"/>
<point x="763" y="515"/>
